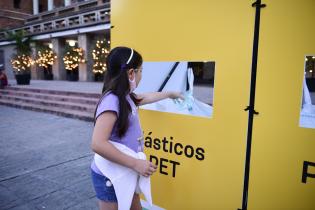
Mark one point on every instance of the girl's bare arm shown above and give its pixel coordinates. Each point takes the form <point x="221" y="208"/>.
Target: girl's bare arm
<point x="100" y="145"/>
<point x="147" y="98"/>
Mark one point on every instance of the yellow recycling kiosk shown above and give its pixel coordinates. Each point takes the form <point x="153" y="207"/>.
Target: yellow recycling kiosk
<point x="202" y="161"/>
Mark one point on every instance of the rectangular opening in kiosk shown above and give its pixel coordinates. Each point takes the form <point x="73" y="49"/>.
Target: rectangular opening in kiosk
<point x="307" y="116"/>
<point x="195" y="80"/>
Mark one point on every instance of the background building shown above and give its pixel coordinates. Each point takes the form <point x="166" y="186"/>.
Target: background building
<point x="57" y="24"/>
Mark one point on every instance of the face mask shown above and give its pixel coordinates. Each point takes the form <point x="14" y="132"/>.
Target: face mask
<point x="132" y="84"/>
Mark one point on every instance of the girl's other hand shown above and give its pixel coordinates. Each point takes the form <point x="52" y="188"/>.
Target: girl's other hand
<point x="144" y="167"/>
<point x="176" y="95"/>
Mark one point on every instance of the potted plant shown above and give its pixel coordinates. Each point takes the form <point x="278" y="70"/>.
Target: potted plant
<point x="99" y="54"/>
<point x="21" y="65"/>
<point x="21" y="61"/>
<point x="45" y="58"/>
<point x="72" y="58"/>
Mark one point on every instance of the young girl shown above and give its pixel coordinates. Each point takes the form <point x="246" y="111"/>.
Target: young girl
<point x="116" y="119"/>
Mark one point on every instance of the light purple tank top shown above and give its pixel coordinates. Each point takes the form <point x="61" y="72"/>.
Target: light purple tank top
<point x="133" y="137"/>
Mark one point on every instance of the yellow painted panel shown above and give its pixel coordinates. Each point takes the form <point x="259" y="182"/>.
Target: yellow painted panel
<point x="280" y="146"/>
<point x="220" y="31"/>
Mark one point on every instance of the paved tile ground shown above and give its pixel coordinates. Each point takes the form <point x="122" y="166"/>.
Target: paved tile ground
<point x="44" y="161"/>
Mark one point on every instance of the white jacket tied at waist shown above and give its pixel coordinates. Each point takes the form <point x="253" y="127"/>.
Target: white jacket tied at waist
<point x="125" y="180"/>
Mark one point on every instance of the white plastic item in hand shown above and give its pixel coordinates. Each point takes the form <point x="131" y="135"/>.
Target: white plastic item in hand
<point x="194" y="106"/>
<point x="188" y="101"/>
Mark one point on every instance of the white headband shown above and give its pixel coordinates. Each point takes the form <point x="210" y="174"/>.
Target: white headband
<point x="130" y="56"/>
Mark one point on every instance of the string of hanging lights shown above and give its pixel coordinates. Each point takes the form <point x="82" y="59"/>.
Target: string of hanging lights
<point x="45" y="58"/>
<point x="22" y="63"/>
<point x="73" y="57"/>
<point x="99" y="54"/>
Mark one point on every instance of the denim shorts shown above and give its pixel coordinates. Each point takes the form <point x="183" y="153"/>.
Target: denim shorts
<point x="103" y="192"/>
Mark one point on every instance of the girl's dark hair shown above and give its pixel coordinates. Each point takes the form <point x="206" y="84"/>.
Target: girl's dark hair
<point x="117" y="82"/>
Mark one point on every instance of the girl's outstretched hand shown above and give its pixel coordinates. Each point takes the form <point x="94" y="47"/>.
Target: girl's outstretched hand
<point x="176" y="95"/>
<point x="144" y="167"/>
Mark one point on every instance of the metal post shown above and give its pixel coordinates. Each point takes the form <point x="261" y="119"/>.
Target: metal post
<point x="251" y="107"/>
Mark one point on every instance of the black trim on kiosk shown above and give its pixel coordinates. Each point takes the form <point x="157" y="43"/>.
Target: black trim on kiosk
<point x="168" y="76"/>
<point x="251" y="107"/>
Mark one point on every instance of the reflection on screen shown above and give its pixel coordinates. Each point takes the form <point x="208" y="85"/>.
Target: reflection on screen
<point x="195" y="80"/>
<point x="307" y="116"/>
